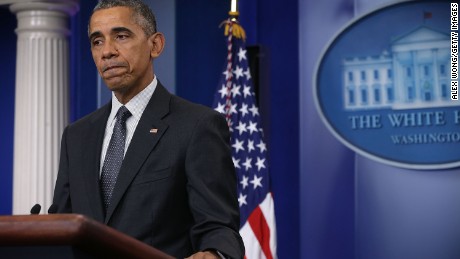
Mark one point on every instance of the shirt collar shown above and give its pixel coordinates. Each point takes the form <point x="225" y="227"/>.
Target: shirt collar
<point x="137" y="104"/>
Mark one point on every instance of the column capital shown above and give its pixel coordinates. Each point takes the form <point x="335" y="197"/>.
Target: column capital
<point x="69" y="7"/>
<point x="44" y="16"/>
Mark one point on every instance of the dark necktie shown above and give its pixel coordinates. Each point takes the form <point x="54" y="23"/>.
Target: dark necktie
<point x="114" y="155"/>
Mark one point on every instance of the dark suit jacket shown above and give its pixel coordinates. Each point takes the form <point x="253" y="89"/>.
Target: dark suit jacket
<point x="176" y="189"/>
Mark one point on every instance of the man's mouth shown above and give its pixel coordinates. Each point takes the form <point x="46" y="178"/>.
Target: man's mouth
<point x="111" y="66"/>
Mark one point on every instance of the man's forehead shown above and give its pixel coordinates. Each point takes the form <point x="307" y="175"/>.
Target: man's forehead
<point x="117" y="10"/>
<point x="110" y="18"/>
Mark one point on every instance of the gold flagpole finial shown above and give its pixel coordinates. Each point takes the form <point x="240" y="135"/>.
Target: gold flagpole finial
<point x="237" y="31"/>
<point x="234" y="9"/>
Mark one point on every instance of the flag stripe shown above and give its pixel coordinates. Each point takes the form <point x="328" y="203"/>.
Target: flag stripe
<point x="253" y="249"/>
<point x="268" y="209"/>
<point x="260" y="228"/>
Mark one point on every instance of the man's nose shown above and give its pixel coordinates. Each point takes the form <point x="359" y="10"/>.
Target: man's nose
<point x="109" y="49"/>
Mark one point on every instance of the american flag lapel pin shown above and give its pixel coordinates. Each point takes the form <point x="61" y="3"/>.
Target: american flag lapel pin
<point x="153" y="131"/>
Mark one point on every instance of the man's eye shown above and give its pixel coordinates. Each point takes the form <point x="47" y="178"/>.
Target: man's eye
<point x="122" y="36"/>
<point x="97" y="42"/>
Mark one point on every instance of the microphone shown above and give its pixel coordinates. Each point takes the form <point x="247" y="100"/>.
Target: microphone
<point x="35" y="209"/>
<point x="53" y="209"/>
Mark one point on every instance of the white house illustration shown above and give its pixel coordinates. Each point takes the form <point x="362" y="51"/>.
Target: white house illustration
<point x="414" y="74"/>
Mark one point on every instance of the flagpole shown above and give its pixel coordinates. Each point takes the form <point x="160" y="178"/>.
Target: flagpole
<point x="234" y="10"/>
<point x="232" y="29"/>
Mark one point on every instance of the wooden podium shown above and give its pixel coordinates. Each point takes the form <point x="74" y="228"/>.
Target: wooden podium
<point x="67" y="236"/>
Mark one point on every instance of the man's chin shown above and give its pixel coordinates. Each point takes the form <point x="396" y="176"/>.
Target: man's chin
<point x="114" y="84"/>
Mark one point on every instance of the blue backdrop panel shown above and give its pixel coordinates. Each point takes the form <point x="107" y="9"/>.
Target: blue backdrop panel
<point x="200" y="48"/>
<point x="83" y="75"/>
<point x="274" y="26"/>
<point x="7" y="85"/>
<point x="403" y="213"/>
<point x="326" y="166"/>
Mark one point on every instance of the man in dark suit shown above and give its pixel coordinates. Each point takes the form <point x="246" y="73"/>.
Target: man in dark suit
<point x="149" y="164"/>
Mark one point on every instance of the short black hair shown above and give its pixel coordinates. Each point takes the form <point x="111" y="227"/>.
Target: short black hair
<point x="142" y="13"/>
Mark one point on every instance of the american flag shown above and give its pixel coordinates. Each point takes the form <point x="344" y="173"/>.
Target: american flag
<point x="235" y="98"/>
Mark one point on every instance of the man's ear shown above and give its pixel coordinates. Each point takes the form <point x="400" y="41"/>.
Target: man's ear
<point x="158" y="42"/>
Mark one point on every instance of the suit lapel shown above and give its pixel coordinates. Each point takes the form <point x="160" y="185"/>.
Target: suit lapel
<point x="148" y="132"/>
<point x="92" y="160"/>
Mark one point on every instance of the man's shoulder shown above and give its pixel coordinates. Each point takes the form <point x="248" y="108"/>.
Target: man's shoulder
<point x="187" y="111"/>
<point x="97" y="116"/>
<point x="179" y="103"/>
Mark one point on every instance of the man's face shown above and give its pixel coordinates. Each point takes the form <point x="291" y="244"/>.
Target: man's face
<point x="121" y="50"/>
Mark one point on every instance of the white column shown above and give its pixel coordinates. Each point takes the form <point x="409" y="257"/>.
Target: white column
<point x="41" y="104"/>
<point x="399" y="86"/>
<point x="437" y="90"/>
<point x="416" y="76"/>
